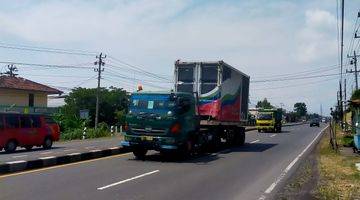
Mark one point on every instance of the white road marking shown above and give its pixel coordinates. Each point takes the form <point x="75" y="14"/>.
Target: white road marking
<point x="273" y="135"/>
<point x="46" y="158"/>
<point x="255" y="141"/>
<point x="287" y="169"/>
<point x="19" y="156"/>
<point x="73" y="154"/>
<point x="16" y="162"/>
<point x="127" y="180"/>
<point x="113" y="148"/>
<point x="69" y="150"/>
<point x="47" y="152"/>
<point x="95" y="150"/>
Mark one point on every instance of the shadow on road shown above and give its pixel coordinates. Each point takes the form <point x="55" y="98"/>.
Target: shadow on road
<point x="205" y="158"/>
<point x="22" y="150"/>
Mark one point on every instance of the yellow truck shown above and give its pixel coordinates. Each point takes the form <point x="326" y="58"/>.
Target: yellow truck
<point x="269" y="120"/>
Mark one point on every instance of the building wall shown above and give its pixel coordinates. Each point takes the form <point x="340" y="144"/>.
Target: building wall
<point x="21" y="98"/>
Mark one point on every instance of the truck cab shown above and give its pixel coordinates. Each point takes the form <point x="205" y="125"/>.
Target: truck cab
<point x="269" y="120"/>
<point x="161" y="121"/>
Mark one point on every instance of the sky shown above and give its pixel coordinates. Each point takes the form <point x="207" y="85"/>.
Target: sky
<point x="262" y="38"/>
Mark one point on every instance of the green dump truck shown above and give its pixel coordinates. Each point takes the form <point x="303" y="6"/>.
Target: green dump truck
<point x="208" y="108"/>
<point x="269" y="120"/>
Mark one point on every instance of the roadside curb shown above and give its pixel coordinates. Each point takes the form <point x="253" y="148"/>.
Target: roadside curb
<point x="16" y="166"/>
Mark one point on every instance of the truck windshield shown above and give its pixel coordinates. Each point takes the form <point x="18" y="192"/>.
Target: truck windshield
<point x="265" y="116"/>
<point x="151" y="102"/>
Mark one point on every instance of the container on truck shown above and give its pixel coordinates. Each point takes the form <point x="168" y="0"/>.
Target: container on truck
<point x="209" y="105"/>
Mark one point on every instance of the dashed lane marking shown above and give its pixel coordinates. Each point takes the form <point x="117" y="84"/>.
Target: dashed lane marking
<point x="21" y="156"/>
<point x="255" y="141"/>
<point x="127" y="180"/>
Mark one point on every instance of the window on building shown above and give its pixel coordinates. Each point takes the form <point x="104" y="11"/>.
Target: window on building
<point x="31" y="100"/>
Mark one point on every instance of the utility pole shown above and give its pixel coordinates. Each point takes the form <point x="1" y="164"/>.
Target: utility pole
<point x="321" y="111"/>
<point x="354" y="62"/>
<point x="99" y="63"/>
<point x="341" y="60"/>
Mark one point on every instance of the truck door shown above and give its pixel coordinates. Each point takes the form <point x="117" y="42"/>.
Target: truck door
<point x="185" y="78"/>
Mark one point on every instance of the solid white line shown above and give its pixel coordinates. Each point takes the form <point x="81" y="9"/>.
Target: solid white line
<point x="114" y="148"/>
<point x="69" y="150"/>
<point x="287" y="169"/>
<point x="19" y="156"/>
<point x="45" y="158"/>
<point x="48" y="152"/>
<point x="95" y="150"/>
<point x="73" y="154"/>
<point x="16" y="162"/>
<point x="273" y="135"/>
<point x="127" y="180"/>
<point x="255" y="141"/>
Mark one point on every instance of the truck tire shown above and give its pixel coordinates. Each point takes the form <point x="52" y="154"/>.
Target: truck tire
<point x="242" y="139"/>
<point x="239" y="136"/>
<point x="140" y="153"/>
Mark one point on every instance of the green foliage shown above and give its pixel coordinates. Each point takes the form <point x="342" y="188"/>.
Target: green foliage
<point x="265" y="104"/>
<point x="112" y="100"/>
<point x="113" y="108"/>
<point x="120" y="116"/>
<point x="355" y="95"/>
<point x="300" y="109"/>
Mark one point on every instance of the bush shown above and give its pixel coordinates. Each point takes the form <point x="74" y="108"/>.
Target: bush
<point x="72" y="134"/>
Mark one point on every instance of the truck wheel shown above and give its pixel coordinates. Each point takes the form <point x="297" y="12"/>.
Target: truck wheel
<point x="241" y="136"/>
<point x="140" y="153"/>
<point x="10" y="147"/>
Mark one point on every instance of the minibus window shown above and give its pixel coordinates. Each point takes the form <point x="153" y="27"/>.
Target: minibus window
<point x="2" y="122"/>
<point x="25" y="122"/>
<point x="35" y="121"/>
<point x="49" y="120"/>
<point x="12" y="121"/>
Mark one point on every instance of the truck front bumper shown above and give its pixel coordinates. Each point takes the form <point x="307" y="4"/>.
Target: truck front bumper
<point x="265" y="128"/>
<point x="150" y="142"/>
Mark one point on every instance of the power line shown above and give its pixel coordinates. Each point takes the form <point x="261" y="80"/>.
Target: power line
<point x="295" y="85"/>
<point x="47" y="50"/>
<point x="44" y="65"/>
<point x="139" y="69"/>
<point x="302" y="73"/>
<point x="297" y="78"/>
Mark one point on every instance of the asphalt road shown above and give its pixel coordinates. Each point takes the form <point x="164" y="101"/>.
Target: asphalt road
<point x="61" y="148"/>
<point x="255" y="171"/>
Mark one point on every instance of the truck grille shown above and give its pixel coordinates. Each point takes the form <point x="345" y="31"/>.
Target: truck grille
<point x="148" y="132"/>
<point x="264" y="124"/>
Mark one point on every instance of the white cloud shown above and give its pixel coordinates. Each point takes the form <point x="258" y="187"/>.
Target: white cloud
<point x="260" y="37"/>
<point x="317" y="38"/>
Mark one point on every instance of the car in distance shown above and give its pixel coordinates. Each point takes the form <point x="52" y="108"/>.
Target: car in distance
<point x="315" y="122"/>
<point x="27" y="131"/>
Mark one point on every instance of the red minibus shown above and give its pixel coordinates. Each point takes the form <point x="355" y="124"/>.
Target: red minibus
<point x="27" y="130"/>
